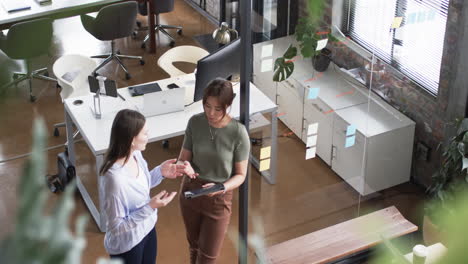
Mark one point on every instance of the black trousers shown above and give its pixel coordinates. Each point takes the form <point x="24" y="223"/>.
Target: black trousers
<point x="143" y="253"/>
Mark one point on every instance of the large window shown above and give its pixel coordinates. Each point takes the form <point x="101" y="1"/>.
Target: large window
<point x="414" y="47"/>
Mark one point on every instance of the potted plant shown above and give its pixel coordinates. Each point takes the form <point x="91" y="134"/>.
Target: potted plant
<point x="449" y="180"/>
<point x="309" y="34"/>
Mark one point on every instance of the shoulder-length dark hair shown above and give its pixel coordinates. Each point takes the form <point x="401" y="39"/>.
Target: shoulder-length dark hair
<point x="126" y="126"/>
<point x="222" y="90"/>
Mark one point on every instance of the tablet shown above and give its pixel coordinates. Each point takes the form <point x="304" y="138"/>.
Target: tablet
<point x="204" y="191"/>
<point x="144" y="89"/>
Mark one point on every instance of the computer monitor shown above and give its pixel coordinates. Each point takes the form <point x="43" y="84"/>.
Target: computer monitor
<point x="223" y="63"/>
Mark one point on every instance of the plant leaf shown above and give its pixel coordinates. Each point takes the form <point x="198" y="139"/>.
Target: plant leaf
<point x="290" y="53"/>
<point x="282" y="69"/>
<point x="308" y="46"/>
<point x="463" y="127"/>
<point x="465" y="163"/>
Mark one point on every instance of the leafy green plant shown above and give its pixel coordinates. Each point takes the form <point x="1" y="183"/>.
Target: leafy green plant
<point x="452" y="176"/>
<point x="308" y="32"/>
<point x="38" y="237"/>
<point x="456" y="241"/>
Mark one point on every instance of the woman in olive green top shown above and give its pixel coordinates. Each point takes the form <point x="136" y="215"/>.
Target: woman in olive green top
<point x="217" y="147"/>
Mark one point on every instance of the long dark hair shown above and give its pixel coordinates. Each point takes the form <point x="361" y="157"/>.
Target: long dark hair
<point x="126" y="126"/>
<point x="222" y="90"/>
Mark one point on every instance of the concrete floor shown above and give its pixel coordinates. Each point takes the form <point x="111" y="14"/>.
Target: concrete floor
<point x="308" y="195"/>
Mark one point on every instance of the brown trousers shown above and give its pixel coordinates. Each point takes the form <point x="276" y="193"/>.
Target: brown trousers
<point x="206" y="221"/>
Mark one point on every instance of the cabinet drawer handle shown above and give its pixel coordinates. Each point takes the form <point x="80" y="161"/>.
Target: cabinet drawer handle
<point x="317" y="107"/>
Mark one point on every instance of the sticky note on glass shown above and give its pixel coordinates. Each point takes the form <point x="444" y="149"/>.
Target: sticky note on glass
<point x="411" y="18"/>
<point x="351" y="130"/>
<point x="267" y="65"/>
<point x="313" y="93"/>
<point x="431" y="15"/>
<point x="267" y="50"/>
<point x="311" y="141"/>
<point x="397" y="22"/>
<point x="264" y="165"/>
<point x="421" y="16"/>
<point x="265" y="152"/>
<point x="310" y="153"/>
<point x="312" y="129"/>
<point x="321" y="44"/>
<point x="350" y="141"/>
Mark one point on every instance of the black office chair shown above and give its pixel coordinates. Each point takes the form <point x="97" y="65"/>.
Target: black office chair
<point x="25" y="41"/>
<point x="160" y="6"/>
<point x="113" y="22"/>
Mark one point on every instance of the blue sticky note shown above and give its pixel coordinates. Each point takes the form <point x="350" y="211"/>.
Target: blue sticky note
<point x="351" y="130"/>
<point x="421" y="16"/>
<point x="313" y="93"/>
<point x="350" y="141"/>
<point x="431" y="15"/>
<point x="411" y="18"/>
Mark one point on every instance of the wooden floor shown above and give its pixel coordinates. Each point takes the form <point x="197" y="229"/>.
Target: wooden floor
<point x="307" y="197"/>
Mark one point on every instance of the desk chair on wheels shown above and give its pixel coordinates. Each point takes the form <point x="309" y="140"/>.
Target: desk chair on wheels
<point x="160" y="7"/>
<point x="25" y="41"/>
<point x="113" y="22"/>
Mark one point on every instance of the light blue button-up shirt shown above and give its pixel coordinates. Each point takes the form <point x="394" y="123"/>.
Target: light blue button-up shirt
<point x="126" y="205"/>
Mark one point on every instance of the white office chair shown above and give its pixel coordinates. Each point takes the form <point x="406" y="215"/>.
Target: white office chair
<point x="186" y="53"/>
<point x="189" y="54"/>
<point x="72" y="73"/>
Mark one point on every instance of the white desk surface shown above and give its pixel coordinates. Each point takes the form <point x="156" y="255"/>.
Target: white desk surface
<point x="96" y="132"/>
<point x="372" y="119"/>
<point x="335" y="91"/>
<point x="56" y="7"/>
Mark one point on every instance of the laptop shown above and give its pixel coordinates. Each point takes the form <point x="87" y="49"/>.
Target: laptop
<point x="163" y="102"/>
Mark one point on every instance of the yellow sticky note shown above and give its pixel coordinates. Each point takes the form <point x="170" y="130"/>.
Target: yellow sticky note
<point x="264" y="164"/>
<point x="265" y="152"/>
<point x="397" y="22"/>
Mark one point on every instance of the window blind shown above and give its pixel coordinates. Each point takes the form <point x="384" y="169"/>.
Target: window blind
<point x="415" y="47"/>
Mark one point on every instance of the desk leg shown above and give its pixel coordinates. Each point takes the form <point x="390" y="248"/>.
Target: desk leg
<point x="71" y="155"/>
<point x="70" y="141"/>
<point x="274" y="146"/>
<point x="100" y="182"/>
<point x="151" y="26"/>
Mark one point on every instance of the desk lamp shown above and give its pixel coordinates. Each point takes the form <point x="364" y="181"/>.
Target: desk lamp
<point x="223" y="35"/>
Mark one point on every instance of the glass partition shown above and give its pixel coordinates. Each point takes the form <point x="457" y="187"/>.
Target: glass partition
<point x="345" y="141"/>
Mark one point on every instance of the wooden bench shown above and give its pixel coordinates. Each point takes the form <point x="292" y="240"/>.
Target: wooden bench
<point x="341" y="240"/>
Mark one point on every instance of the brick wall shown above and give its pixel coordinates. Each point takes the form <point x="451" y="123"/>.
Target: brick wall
<point x="212" y="7"/>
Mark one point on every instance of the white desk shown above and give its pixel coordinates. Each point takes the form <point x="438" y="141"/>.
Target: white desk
<point x="96" y="132"/>
<point x="57" y="9"/>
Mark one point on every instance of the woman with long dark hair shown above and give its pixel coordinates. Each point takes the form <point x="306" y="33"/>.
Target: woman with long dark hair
<point x="131" y="213"/>
<point x="218" y="147"/>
